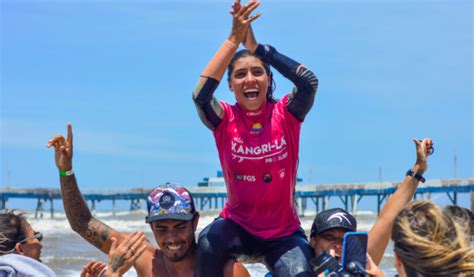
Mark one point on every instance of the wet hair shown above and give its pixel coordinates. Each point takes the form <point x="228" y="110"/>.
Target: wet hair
<point x="12" y="230"/>
<point x="430" y="243"/>
<point x="246" y="53"/>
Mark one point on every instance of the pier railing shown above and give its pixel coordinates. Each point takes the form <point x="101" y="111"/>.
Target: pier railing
<point x="215" y="197"/>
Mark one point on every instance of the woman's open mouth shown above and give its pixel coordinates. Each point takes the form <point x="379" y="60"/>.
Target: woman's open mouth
<point x="251" y="94"/>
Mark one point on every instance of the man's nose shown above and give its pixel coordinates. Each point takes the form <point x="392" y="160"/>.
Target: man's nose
<point x="171" y="237"/>
<point x="337" y="246"/>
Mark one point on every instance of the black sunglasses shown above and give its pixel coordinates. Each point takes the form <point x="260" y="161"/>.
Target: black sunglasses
<point x="37" y="236"/>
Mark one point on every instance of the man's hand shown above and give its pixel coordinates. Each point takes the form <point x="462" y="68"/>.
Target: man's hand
<point x="62" y="149"/>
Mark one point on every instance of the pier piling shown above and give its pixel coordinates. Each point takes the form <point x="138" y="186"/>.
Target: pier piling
<point x="51" y="207"/>
<point x="39" y="208"/>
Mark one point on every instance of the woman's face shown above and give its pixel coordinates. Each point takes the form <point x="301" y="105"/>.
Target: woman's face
<point x="249" y="82"/>
<point x="32" y="246"/>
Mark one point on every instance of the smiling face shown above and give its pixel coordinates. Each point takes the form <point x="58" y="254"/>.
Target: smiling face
<point x="249" y="81"/>
<point x="329" y="240"/>
<point x="30" y="247"/>
<point x="175" y="237"/>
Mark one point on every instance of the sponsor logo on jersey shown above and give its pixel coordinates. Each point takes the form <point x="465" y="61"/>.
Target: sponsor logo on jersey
<point x="267" y="177"/>
<point x="282" y="173"/>
<point x="256" y="127"/>
<point x="246" y="178"/>
<point x="269" y="149"/>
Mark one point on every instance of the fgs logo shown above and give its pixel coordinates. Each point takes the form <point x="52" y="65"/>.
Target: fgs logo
<point x="246" y="178"/>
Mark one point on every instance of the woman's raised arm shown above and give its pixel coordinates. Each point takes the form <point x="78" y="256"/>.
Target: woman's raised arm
<point x="208" y="107"/>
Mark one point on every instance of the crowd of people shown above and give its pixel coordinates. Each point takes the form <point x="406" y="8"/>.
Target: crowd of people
<point x="257" y="139"/>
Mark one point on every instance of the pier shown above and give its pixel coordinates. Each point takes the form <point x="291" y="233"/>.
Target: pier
<point x="215" y="197"/>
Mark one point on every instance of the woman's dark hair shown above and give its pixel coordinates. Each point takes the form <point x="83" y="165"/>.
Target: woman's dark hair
<point x="12" y="230"/>
<point x="246" y="53"/>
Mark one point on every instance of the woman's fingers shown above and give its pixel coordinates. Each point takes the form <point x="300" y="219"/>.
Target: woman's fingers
<point x="235" y="7"/>
<point x="247" y="9"/>
<point x="251" y="19"/>
<point x="417" y="142"/>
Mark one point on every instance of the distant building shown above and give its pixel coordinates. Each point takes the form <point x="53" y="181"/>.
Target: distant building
<point x="219" y="181"/>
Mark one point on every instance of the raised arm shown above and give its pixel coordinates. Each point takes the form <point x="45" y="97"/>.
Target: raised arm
<point x="380" y="233"/>
<point x="78" y="214"/>
<point x="302" y="96"/>
<point x="209" y="109"/>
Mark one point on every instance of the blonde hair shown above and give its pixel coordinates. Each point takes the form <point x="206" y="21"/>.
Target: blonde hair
<point x="429" y="243"/>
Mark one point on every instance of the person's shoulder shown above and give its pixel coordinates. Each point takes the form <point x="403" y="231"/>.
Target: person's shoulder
<point x="281" y="103"/>
<point x="23" y="266"/>
<point x="149" y="261"/>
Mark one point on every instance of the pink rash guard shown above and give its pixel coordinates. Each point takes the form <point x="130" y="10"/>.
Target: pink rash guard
<point x="259" y="153"/>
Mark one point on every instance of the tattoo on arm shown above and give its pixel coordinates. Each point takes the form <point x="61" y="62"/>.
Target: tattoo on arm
<point x="79" y="215"/>
<point x="96" y="233"/>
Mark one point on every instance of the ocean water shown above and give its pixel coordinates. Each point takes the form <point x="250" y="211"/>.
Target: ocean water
<point x="66" y="252"/>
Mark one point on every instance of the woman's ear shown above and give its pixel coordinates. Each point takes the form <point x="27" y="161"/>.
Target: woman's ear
<point x="399" y="266"/>
<point x="230" y="85"/>
<point x="19" y="249"/>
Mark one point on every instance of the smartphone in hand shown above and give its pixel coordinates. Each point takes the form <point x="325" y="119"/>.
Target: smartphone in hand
<point x="354" y="252"/>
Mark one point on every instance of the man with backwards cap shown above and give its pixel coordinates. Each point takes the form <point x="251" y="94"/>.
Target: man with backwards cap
<point x="329" y="226"/>
<point x="171" y="214"/>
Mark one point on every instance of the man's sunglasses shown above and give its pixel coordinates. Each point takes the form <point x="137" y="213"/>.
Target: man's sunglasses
<point x="37" y="236"/>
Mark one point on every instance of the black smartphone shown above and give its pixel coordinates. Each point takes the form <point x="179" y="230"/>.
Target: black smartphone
<point x="354" y="252"/>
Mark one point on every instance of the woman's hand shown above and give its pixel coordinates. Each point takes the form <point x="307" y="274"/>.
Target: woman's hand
<point x="62" y="149"/>
<point x="249" y="42"/>
<point x="123" y="256"/>
<point x="241" y="20"/>
<point x="372" y="269"/>
<point x="424" y="148"/>
<point x="93" y="269"/>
